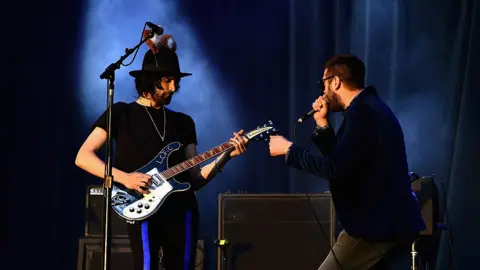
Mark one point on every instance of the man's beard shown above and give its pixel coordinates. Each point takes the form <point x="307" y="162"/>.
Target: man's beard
<point x="162" y="99"/>
<point x="336" y="105"/>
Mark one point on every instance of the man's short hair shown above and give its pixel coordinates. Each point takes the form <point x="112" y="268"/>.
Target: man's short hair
<point x="349" y="68"/>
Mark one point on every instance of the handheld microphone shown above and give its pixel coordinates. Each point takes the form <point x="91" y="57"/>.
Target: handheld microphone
<point x="156" y="29"/>
<point x="310" y="113"/>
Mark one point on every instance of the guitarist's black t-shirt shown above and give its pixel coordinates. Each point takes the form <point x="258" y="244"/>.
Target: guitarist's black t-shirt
<point x="137" y="142"/>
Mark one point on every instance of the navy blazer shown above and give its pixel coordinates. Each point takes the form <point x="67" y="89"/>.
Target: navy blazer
<point x="366" y="166"/>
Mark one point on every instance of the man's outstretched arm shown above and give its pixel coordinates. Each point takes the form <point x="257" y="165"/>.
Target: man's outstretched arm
<point x="351" y="152"/>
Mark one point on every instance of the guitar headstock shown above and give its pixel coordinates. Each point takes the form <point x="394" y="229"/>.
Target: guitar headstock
<point x="262" y="133"/>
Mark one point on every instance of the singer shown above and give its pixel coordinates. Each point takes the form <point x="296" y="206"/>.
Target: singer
<point x="366" y="166"/>
<point x="141" y="128"/>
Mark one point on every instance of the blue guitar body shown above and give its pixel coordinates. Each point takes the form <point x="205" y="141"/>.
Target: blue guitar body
<point x="132" y="206"/>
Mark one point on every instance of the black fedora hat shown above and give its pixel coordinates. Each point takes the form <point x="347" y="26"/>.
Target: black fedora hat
<point x="161" y="60"/>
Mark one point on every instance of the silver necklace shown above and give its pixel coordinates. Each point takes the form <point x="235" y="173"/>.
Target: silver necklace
<point x="164" y="122"/>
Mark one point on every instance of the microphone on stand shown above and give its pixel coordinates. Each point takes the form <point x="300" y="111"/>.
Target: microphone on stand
<point x="310" y="113"/>
<point x="156" y="29"/>
<point x="154" y="36"/>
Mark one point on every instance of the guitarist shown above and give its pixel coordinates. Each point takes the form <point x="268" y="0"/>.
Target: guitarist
<point x="140" y="130"/>
<point x="366" y="166"/>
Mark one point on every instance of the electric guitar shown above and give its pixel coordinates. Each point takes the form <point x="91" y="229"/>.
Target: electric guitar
<point x="132" y="206"/>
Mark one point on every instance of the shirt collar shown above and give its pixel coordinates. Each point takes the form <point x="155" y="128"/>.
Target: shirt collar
<point x="354" y="98"/>
<point x="363" y="91"/>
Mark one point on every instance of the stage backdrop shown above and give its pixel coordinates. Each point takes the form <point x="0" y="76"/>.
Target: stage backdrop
<point x="421" y="55"/>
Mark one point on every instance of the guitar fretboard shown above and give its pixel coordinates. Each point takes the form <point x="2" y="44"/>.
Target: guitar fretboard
<point x="192" y="162"/>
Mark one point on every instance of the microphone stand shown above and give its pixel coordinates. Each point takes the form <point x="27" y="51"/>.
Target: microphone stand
<point x="109" y="75"/>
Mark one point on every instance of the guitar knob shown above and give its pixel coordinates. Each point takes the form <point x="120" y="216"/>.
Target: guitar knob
<point x="140" y="205"/>
<point x="139" y="211"/>
<point x="147" y="206"/>
<point x="131" y="209"/>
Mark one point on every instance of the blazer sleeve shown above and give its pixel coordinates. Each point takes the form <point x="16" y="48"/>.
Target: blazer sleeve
<point x="324" y="139"/>
<point x="349" y="155"/>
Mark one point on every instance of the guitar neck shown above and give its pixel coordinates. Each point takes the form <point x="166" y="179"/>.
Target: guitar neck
<point x="196" y="160"/>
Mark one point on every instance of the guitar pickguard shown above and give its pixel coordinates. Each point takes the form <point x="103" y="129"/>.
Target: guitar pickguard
<point x="150" y="202"/>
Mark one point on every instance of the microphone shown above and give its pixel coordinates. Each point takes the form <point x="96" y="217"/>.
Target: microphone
<point x="156" y="29"/>
<point x="310" y="113"/>
<point x="305" y="116"/>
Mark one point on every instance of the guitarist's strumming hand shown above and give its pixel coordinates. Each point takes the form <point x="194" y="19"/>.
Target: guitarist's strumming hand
<point x="240" y="143"/>
<point x="137" y="181"/>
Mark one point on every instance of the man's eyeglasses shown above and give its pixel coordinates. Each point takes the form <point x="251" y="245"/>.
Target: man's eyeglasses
<point x="321" y="83"/>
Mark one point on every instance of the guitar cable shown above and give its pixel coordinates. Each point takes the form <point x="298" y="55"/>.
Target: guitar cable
<point x="316" y="217"/>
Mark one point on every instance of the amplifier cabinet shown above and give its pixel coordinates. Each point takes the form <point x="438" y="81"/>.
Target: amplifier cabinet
<point x="94" y="215"/>
<point x="275" y="231"/>
<point x="428" y="197"/>
<point x="90" y="254"/>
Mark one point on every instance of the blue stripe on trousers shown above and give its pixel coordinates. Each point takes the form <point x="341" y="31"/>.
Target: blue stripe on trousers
<point x="146" y="246"/>
<point x="188" y="240"/>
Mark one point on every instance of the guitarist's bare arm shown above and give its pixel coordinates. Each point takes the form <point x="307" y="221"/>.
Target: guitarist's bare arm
<point x="88" y="160"/>
<point x="201" y="176"/>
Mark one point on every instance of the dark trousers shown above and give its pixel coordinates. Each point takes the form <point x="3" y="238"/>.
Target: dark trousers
<point x="177" y="235"/>
<point x="358" y="254"/>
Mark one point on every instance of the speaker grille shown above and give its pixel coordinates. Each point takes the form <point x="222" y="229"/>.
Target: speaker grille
<point x="275" y="231"/>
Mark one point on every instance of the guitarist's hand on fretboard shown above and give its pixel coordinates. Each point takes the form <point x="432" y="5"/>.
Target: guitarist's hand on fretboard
<point x="240" y="142"/>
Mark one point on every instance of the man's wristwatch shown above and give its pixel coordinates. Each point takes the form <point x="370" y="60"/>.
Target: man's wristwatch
<point x="319" y="130"/>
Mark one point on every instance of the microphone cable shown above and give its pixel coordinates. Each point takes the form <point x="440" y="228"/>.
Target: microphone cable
<point x="323" y="232"/>
<point x="315" y="214"/>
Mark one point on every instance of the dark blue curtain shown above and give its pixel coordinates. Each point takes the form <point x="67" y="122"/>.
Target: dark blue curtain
<point x="421" y="56"/>
<point x="45" y="195"/>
